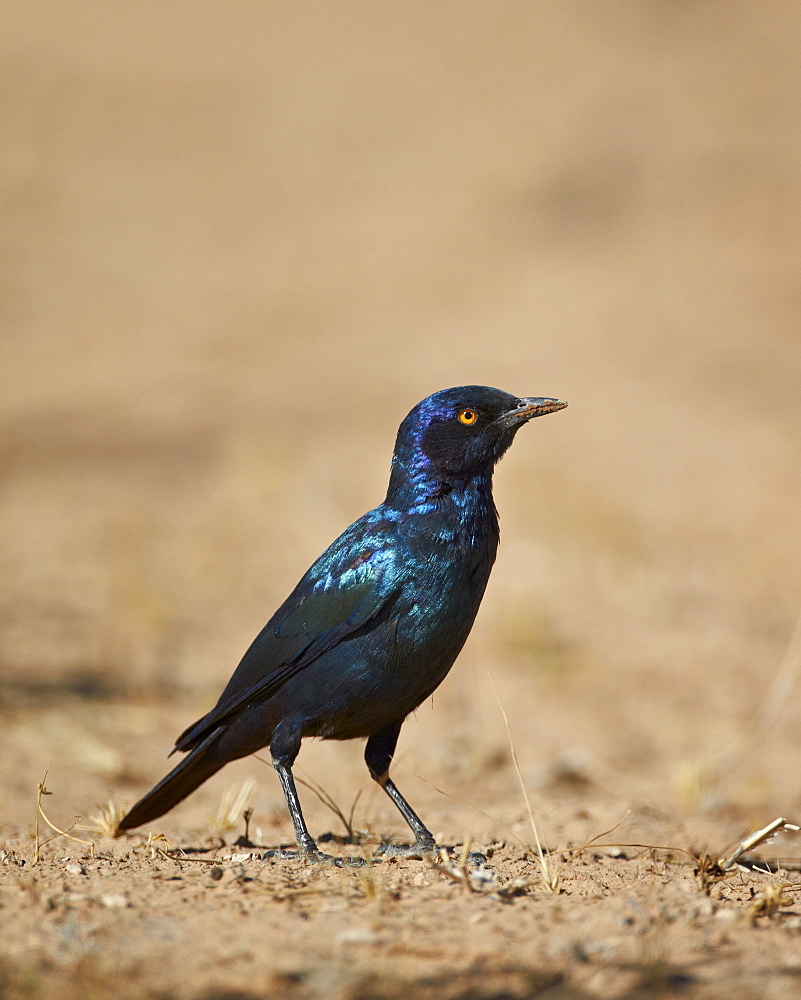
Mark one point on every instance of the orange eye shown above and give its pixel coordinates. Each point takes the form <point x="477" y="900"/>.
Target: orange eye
<point x="468" y="417"/>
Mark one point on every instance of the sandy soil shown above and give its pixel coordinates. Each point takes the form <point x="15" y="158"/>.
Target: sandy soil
<point x="238" y="244"/>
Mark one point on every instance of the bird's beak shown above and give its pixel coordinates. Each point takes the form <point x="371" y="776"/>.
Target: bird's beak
<point x="527" y="409"/>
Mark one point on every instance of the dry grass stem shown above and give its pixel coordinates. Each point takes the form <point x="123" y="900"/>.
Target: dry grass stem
<point x="768" y="902"/>
<point x="573" y="852"/>
<point x="152" y="841"/>
<point x="41" y="791"/>
<point x="233" y="804"/>
<point x="702" y="778"/>
<point x="106" y="821"/>
<point x="779" y="692"/>
<point x="757" y="839"/>
<point x="466" y="802"/>
<point x="550" y="878"/>
<point x="477" y="880"/>
<point x="328" y="801"/>
<point x="709" y="871"/>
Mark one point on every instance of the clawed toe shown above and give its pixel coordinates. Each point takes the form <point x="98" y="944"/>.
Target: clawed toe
<point x="347" y="862"/>
<point x="312" y="857"/>
<point x="422" y="850"/>
<point x="476" y="859"/>
<point x="280" y="854"/>
<point x="415" y="852"/>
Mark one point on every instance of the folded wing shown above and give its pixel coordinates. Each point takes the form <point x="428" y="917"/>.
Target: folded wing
<point x="346" y="592"/>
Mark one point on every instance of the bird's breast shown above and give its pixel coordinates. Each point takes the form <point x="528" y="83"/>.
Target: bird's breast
<point x="452" y="561"/>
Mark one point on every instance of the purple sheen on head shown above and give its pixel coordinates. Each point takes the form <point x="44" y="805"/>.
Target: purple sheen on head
<point x="433" y="449"/>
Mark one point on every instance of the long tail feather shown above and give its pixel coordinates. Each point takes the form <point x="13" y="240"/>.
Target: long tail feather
<point x="193" y="770"/>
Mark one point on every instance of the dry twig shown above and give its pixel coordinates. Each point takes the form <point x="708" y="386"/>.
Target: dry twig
<point x="106" y="821"/>
<point x="757" y="839"/>
<point x="233" y="804"/>
<point x="550" y="879"/>
<point x="38" y="844"/>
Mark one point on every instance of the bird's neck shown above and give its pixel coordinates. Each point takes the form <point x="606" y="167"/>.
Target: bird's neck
<point x="459" y="500"/>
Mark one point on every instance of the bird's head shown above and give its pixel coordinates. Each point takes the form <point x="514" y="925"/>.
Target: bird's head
<point x="459" y="434"/>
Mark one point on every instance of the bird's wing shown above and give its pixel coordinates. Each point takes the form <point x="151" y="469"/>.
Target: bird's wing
<point x="350" y="588"/>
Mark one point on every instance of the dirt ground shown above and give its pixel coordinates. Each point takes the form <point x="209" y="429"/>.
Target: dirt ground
<point x="239" y="242"/>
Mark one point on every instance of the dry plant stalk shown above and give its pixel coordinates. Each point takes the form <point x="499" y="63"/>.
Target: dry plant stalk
<point x="106" y="821"/>
<point x="766" y="716"/>
<point x="574" y="852"/>
<point x="769" y="901"/>
<point x="781" y="688"/>
<point x="329" y="802"/>
<point x="41" y="791"/>
<point x="550" y="879"/>
<point x="711" y="869"/>
<point x="457" y="872"/>
<point x="476" y="880"/>
<point x="465" y="802"/>
<point x="233" y="804"/>
<point x="757" y="839"/>
<point x="152" y="840"/>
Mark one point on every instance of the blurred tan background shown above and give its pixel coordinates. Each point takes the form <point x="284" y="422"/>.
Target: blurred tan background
<point x="240" y="241"/>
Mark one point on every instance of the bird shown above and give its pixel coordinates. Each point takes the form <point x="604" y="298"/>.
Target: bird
<point x="375" y="624"/>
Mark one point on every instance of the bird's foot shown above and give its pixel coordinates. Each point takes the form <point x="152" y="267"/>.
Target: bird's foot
<point x="312" y="856"/>
<point x="474" y="859"/>
<point x="417" y="851"/>
<point x="421" y="850"/>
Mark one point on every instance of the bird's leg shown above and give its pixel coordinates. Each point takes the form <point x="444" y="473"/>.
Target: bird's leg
<point x="284" y="751"/>
<point x="305" y="840"/>
<point x="378" y="756"/>
<point x="424" y="842"/>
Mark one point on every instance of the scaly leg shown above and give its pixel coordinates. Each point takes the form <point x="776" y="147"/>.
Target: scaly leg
<point x="378" y="756"/>
<point x="284" y="750"/>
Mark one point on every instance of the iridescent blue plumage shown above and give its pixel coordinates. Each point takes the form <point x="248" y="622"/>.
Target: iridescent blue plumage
<point x="376" y="623"/>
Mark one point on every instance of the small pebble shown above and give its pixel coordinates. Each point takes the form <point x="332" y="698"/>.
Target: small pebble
<point x="114" y="900"/>
<point x="357" y="935"/>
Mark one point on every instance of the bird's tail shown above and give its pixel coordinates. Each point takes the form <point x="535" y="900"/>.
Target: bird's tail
<point x="199" y="765"/>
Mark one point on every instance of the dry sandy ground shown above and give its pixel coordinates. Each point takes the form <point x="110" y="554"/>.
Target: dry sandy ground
<point x="238" y="243"/>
